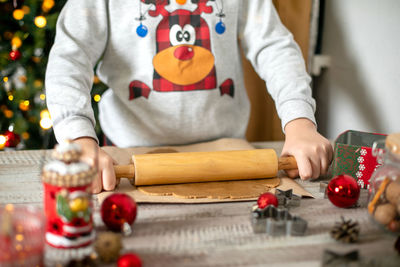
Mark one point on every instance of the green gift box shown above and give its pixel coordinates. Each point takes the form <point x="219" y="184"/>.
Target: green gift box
<point x="353" y="155"/>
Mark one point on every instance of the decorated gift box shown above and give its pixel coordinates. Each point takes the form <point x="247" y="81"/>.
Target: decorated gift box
<point x="353" y="155"/>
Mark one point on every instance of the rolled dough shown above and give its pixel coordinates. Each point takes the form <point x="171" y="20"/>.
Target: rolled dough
<point x="214" y="190"/>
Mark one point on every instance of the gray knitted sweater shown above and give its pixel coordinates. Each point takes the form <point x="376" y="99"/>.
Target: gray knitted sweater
<point x="173" y="69"/>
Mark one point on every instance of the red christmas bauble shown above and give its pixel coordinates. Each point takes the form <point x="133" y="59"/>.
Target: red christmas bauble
<point x="267" y="199"/>
<point x="15" y="55"/>
<point x="12" y="139"/>
<point x="129" y="260"/>
<point x="343" y="191"/>
<point x="117" y="210"/>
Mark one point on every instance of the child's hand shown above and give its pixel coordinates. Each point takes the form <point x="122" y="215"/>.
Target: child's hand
<point x="106" y="176"/>
<point x="312" y="151"/>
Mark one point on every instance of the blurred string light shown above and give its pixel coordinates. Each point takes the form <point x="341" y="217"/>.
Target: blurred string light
<point x="40" y="21"/>
<point x="16" y="42"/>
<point x="26" y="10"/>
<point x="3" y="141"/>
<point x="25" y="135"/>
<point x="24" y="105"/>
<point x="45" y="120"/>
<point x="38" y="83"/>
<point x="18" y="14"/>
<point x="96" y="97"/>
<point x="8" y="113"/>
<point x="47" y="5"/>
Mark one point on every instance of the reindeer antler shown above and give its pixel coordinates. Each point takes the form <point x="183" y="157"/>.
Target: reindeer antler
<point x="160" y="7"/>
<point x="202" y="7"/>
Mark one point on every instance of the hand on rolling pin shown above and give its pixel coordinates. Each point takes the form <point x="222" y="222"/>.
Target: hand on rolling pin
<point x="106" y="176"/>
<point x="312" y="151"/>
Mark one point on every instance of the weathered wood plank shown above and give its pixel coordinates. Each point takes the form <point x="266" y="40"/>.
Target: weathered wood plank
<point x="218" y="234"/>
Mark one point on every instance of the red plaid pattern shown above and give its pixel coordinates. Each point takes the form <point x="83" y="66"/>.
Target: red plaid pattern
<point x="227" y="87"/>
<point x="138" y="89"/>
<point x="183" y="17"/>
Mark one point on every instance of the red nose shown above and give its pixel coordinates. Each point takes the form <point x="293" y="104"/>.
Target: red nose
<point x="184" y="53"/>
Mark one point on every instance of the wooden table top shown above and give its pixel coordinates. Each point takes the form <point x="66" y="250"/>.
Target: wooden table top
<point x="216" y="234"/>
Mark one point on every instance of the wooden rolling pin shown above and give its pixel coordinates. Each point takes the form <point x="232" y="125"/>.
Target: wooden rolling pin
<point x="189" y="167"/>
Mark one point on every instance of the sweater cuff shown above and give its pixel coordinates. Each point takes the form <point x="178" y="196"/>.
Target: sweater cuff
<point x="74" y="127"/>
<point x="295" y="109"/>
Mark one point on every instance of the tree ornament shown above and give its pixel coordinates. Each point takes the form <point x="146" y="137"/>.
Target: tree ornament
<point x="118" y="212"/>
<point x="129" y="260"/>
<point x="12" y="139"/>
<point x="141" y="30"/>
<point x="15" y="55"/>
<point x="108" y="246"/>
<point x="343" y="191"/>
<point x="346" y="231"/>
<point x="267" y="199"/>
<point x="220" y="26"/>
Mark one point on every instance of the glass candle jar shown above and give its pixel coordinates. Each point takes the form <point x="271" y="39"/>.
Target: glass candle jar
<point x="384" y="192"/>
<point x="21" y="235"/>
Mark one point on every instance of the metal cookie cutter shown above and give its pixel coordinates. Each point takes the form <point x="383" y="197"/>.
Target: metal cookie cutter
<point x="322" y="187"/>
<point x="277" y="222"/>
<point x="287" y="199"/>
<point x="331" y="258"/>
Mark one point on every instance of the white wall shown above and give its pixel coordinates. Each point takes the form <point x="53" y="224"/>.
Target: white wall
<point x="361" y="90"/>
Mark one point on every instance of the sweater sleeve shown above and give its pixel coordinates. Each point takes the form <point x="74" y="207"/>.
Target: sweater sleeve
<point x="81" y="37"/>
<point x="277" y="59"/>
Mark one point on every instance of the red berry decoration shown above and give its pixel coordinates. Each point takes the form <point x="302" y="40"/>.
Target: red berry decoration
<point x="129" y="260"/>
<point x="267" y="199"/>
<point x="343" y="191"/>
<point x="15" y="55"/>
<point x="118" y="212"/>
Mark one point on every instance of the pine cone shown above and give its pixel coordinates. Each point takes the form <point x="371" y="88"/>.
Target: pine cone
<point x="346" y="231"/>
<point x="85" y="262"/>
<point x="108" y="246"/>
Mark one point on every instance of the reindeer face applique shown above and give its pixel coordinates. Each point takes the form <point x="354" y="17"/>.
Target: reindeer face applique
<point x="184" y="60"/>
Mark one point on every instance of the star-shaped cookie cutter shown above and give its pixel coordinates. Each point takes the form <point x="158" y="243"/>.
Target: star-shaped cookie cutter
<point x="277" y="222"/>
<point x="287" y="198"/>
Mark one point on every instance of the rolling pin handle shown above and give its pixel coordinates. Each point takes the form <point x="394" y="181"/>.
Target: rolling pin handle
<point x="287" y="163"/>
<point x="125" y="171"/>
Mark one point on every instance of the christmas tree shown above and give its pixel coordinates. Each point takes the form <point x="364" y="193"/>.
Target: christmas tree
<point x="27" y="31"/>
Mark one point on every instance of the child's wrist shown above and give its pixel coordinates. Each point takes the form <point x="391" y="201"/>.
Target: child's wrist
<point x="86" y="140"/>
<point x="299" y="124"/>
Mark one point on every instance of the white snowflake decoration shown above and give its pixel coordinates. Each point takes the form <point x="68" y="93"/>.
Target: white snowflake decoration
<point x="359" y="174"/>
<point x="360" y="159"/>
<point x="363" y="152"/>
<point x="360" y="183"/>
<point x="361" y="167"/>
